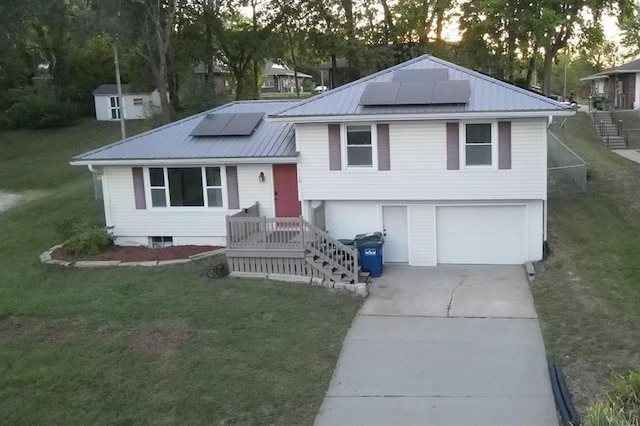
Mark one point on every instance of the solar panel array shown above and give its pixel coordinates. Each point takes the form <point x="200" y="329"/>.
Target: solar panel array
<point x="417" y="87"/>
<point x="238" y="124"/>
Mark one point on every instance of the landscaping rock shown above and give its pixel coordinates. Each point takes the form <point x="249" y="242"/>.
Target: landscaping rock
<point x="328" y="283"/>
<point x="58" y="262"/>
<point x="290" y="278"/>
<point x="531" y="272"/>
<point x="207" y="254"/>
<point x="317" y="281"/>
<point x="237" y="274"/>
<point x="340" y="286"/>
<point x="143" y="263"/>
<point x="96" y="263"/>
<point x="173" y="262"/>
<point x="361" y="290"/>
<point x="45" y="257"/>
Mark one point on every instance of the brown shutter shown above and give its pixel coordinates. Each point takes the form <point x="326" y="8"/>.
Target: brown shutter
<point x="335" y="160"/>
<point x="384" y="156"/>
<point x="453" y="146"/>
<point x="504" y="145"/>
<point x="232" y="187"/>
<point x="138" y="188"/>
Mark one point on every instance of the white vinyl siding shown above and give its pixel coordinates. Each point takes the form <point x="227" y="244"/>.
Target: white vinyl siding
<point x="345" y="219"/>
<point x="418" y="152"/>
<point x="136" y="107"/>
<point x="185" y="225"/>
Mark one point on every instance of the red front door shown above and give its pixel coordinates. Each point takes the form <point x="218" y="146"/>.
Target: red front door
<point x="285" y="188"/>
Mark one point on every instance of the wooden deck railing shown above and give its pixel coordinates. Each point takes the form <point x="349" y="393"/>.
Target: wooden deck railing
<point x="253" y="211"/>
<point x="256" y="235"/>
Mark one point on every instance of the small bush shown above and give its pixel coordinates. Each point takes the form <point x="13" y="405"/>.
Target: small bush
<point x="217" y="268"/>
<point x="606" y="414"/>
<point x="38" y="107"/>
<point x="625" y="393"/>
<point x="87" y="240"/>
<point x="65" y="227"/>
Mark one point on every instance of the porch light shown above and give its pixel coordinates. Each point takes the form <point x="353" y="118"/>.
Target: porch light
<point x="261" y="177"/>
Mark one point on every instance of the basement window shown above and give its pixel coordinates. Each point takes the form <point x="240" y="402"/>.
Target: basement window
<point x="159" y="242"/>
<point x="137" y="101"/>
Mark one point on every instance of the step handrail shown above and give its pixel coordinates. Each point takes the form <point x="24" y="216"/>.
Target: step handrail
<point x="329" y="249"/>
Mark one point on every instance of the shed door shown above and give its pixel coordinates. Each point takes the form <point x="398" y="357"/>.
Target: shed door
<point x="481" y="234"/>
<point x="396" y="240"/>
<point x="285" y="190"/>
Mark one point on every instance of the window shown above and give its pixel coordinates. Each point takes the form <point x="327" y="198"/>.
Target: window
<point x="359" y="146"/>
<point x="269" y="81"/>
<point x="159" y="242"/>
<point x="137" y="101"/>
<point x="478" y="148"/>
<point x="186" y="186"/>
<point x="114" y="107"/>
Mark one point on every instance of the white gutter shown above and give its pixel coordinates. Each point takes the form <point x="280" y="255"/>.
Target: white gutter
<point x="412" y="117"/>
<point x="185" y="161"/>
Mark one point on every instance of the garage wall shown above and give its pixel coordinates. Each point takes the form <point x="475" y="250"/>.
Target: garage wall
<point x="345" y="219"/>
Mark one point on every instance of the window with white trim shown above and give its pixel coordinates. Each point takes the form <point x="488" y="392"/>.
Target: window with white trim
<point x="186" y="186"/>
<point x="478" y="144"/>
<point x="114" y="107"/>
<point x="359" y="146"/>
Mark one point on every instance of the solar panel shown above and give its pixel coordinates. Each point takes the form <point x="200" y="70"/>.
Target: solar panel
<point x="451" y="92"/>
<point x="421" y="75"/>
<point x="379" y="93"/>
<point x="415" y="93"/>
<point x="211" y="124"/>
<point x="218" y="124"/>
<point x="242" y="124"/>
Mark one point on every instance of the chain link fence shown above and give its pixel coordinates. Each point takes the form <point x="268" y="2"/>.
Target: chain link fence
<point x="565" y="168"/>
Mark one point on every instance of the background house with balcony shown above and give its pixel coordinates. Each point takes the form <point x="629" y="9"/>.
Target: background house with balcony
<point x="619" y="87"/>
<point x="279" y="78"/>
<point x="448" y="163"/>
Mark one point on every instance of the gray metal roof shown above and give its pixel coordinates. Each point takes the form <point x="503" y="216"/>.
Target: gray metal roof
<point x="487" y="95"/>
<point x="112" y="89"/>
<point x="631" y="67"/>
<point x="173" y="141"/>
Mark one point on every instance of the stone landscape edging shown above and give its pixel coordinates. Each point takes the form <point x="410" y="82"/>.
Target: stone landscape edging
<point x="46" y="258"/>
<point x="359" y="289"/>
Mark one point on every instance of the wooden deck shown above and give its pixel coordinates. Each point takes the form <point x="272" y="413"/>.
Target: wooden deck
<point x="288" y="246"/>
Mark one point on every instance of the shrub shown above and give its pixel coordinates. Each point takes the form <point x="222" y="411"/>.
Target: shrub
<point x="606" y="414"/>
<point x="217" y="267"/>
<point x="625" y="393"/>
<point x="87" y="240"/>
<point x="38" y="107"/>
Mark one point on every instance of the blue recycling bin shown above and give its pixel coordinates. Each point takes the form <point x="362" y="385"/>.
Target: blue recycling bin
<point x="370" y="253"/>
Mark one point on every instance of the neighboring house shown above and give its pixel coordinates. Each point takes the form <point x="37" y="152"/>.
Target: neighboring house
<point x="619" y="86"/>
<point x="279" y="78"/>
<point x="213" y="73"/>
<point x="451" y="165"/>
<point x="137" y="105"/>
<point x="327" y="77"/>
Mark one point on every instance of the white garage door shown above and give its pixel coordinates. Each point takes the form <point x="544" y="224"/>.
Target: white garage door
<point x="481" y="235"/>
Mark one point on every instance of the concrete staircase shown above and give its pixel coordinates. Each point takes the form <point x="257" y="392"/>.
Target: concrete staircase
<point x="607" y="130"/>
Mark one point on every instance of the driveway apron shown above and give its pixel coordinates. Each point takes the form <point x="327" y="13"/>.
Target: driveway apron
<point x="447" y="345"/>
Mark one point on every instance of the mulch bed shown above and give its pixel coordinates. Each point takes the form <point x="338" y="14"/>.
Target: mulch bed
<point x="137" y="253"/>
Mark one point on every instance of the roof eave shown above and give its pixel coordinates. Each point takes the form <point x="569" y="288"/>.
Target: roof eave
<point x="183" y="161"/>
<point x="426" y="116"/>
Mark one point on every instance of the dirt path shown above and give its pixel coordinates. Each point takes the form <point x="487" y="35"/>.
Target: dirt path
<point x="8" y="200"/>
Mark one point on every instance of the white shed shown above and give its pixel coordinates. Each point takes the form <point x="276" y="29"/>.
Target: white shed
<point x="137" y="105"/>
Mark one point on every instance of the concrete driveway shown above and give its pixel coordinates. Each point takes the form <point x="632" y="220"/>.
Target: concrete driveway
<point x="448" y="345"/>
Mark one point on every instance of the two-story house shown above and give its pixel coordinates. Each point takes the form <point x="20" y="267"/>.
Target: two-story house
<point x="451" y="165"/>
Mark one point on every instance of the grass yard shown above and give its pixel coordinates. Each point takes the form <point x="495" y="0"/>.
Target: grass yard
<point x="588" y="292"/>
<point x="143" y="345"/>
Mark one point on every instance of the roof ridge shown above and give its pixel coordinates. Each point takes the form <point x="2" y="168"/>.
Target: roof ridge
<point x="353" y="83"/>
<point x="496" y="81"/>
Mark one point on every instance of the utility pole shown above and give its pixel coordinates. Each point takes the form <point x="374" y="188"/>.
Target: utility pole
<point x="564" y="87"/>
<point x="123" y="131"/>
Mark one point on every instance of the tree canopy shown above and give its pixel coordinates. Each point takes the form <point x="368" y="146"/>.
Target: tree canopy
<point x="65" y="47"/>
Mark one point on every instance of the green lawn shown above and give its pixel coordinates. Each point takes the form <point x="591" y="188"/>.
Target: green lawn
<point x="143" y="345"/>
<point x="588" y="292"/>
